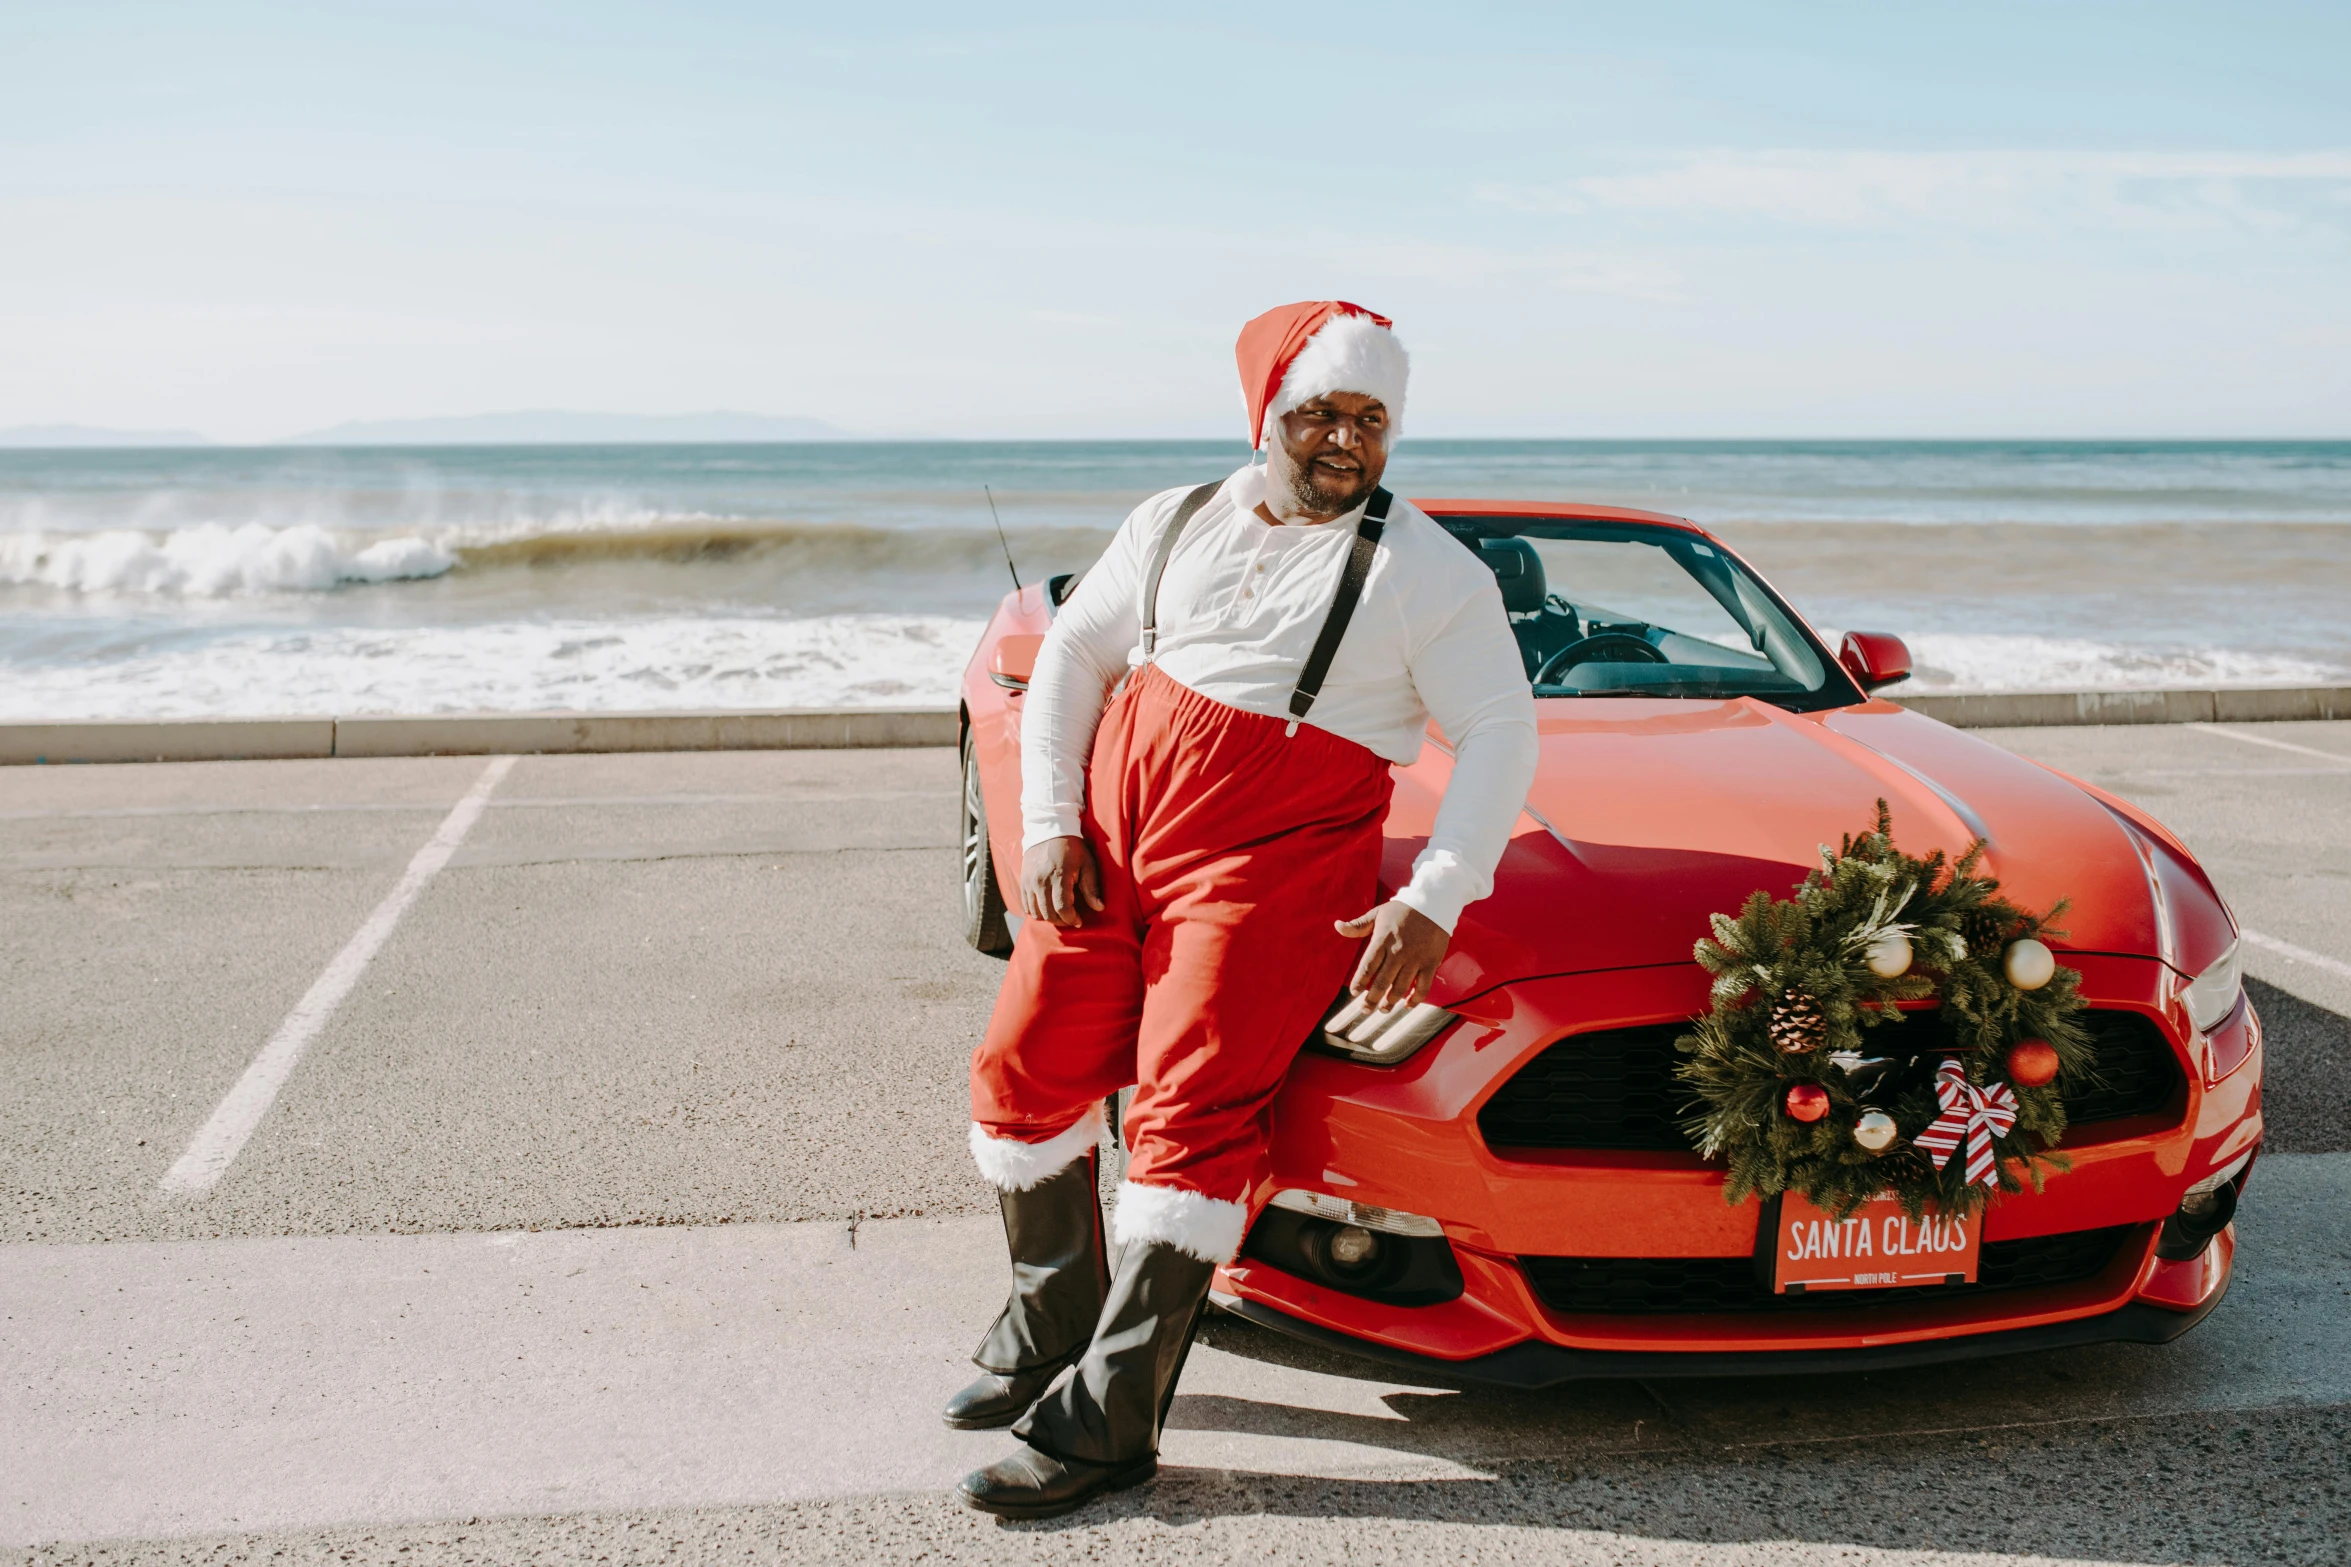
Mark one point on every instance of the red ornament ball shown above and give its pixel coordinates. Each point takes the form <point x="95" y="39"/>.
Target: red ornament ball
<point x="1807" y="1101"/>
<point x="2032" y="1063"/>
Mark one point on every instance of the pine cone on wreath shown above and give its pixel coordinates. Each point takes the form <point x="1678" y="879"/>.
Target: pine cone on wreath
<point x="1797" y="1023"/>
<point x="1986" y="931"/>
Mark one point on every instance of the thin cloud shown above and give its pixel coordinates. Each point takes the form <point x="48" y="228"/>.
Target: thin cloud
<point x="1989" y="189"/>
<point x="1073" y="318"/>
<point x="1627" y="273"/>
<point x="1628" y="280"/>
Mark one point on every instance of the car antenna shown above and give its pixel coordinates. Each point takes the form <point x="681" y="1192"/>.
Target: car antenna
<point x="1000" y="539"/>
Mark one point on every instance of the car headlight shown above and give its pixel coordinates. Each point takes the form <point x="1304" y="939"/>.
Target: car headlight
<point x="2212" y="995"/>
<point x="1384" y="1038"/>
<point x="1359" y="1215"/>
<point x="2202" y="1191"/>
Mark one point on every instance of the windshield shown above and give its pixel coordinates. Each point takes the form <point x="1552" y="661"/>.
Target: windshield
<point x="1620" y="609"/>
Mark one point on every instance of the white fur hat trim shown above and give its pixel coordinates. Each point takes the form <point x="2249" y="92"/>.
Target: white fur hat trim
<point x="1349" y="353"/>
<point x="1201" y="1226"/>
<point x="1013" y="1166"/>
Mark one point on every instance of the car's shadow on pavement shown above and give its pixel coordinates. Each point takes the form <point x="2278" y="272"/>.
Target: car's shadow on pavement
<point x="1750" y="1465"/>
<point x="2224" y="1489"/>
<point x="2104" y="1452"/>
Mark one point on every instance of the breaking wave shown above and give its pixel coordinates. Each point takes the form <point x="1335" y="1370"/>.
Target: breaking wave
<point x="847" y="547"/>
<point x="213" y="560"/>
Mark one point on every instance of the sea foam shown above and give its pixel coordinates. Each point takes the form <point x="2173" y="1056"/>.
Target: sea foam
<point x="751" y="662"/>
<point x="670" y="662"/>
<point x="1978" y="662"/>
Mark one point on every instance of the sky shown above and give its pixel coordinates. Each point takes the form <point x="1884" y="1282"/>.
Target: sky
<point x="1665" y="220"/>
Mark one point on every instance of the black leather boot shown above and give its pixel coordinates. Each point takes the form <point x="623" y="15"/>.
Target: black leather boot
<point x="1060" y="1273"/>
<point x="1099" y="1431"/>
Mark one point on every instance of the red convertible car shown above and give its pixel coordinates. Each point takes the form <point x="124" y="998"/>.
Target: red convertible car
<point x="1496" y="1184"/>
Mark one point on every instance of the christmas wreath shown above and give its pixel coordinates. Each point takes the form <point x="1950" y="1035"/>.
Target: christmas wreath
<point x="1786" y="1086"/>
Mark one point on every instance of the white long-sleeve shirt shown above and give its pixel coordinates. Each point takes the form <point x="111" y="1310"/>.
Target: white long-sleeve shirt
<point x="1239" y="609"/>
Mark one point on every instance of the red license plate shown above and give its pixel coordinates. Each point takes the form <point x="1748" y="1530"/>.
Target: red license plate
<point x="1878" y="1246"/>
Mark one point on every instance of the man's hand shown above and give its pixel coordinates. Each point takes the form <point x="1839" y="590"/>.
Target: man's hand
<point x="1400" y="961"/>
<point x="1054" y="876"/>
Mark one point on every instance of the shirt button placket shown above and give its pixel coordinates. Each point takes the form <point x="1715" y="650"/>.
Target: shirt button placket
<point x="1257" y="566"/>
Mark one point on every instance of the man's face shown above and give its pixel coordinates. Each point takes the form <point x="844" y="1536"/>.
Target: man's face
<point x="1337" y="448"/>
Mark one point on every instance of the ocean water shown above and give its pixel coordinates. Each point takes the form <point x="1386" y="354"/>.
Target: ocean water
<point x="265" y="580"/>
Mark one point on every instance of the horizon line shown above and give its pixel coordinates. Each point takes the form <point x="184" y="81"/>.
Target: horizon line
<point x="305" y="444"/>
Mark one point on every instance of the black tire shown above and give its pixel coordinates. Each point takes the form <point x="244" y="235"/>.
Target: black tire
<point x="983" y="902"/>
<point x="1114" y="1110"/>
<point x="1114" y="1160"/>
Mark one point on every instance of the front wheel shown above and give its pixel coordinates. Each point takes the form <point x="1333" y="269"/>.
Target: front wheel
<point x="984" y="925"/>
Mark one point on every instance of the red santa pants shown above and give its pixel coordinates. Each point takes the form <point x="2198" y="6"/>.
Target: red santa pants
<point x="1227" y="848"/>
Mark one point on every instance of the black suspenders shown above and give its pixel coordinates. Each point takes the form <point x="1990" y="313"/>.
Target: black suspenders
<point x="1167" y="543"/>
<point x="1334" y="625"/>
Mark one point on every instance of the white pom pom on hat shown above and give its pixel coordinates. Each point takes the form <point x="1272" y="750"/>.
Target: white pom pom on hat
<point x="1295" y="353"/>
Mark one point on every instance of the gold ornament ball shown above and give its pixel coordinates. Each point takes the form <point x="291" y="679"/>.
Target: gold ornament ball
<point x="2028" y="964"/>
<point x="1889" y="955"/>
<point x="1875" y="1131"/>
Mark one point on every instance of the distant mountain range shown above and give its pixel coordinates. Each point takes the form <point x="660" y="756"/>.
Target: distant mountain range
<point x="550" y="427"/>
<point x="36" y="435"/>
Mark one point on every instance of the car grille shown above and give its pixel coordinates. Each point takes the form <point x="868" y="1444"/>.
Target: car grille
<point x="1616" y="1088"/>
<point x="1644" y="1286"/>
<point x="1612" y="1089"/>
<point x="2137" y="1073"/>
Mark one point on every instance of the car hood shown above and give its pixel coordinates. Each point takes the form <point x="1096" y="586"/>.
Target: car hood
<point x="1648" y="817"/>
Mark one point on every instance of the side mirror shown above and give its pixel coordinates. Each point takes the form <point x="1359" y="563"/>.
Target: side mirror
<point x="1014" y="660"/>
<point x="1874" y="658"/>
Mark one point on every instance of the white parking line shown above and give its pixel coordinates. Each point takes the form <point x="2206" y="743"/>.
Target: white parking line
<point x="218" y="1142"/>
<point x="2335" y="757"/>
<point x="2286" y="949"/>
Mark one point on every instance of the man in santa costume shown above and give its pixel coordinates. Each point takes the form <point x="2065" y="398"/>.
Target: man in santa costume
<point x="1204" y="770"/>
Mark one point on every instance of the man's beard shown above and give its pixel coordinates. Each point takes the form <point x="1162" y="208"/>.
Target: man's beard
<point x="1316" y="498"/>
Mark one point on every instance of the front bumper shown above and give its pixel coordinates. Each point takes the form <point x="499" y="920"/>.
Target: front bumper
<point x="1537" y="1364"/>
<point x="1406" y="1138"/>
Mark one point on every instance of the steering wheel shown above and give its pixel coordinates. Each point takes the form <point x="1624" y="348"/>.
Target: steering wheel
<point x="1608" y="647"/>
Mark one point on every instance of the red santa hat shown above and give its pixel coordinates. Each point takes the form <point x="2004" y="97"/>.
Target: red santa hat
<point x="1295" y="353"/>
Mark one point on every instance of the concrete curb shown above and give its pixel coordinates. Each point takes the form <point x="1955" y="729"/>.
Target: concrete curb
<point x="471" y="734"/>
<point x="488" y="734"/>
<point x="177" y="740"/>
<point x="2036" y="709"/>
<point x="804" y="729"/>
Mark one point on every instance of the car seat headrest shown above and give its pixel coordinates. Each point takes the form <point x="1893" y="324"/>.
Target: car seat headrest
<point x="1519" y="571"/>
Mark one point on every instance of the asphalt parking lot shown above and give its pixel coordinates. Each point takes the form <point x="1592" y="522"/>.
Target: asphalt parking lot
<point x="620" y="1211"/>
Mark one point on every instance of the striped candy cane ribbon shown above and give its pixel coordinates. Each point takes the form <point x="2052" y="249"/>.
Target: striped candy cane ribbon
<point x="1972" y="1115"/>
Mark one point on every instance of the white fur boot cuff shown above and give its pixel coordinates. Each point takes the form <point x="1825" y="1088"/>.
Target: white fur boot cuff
<point x="1013" y="1166"/>
<point x="1200" y="1226"/>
